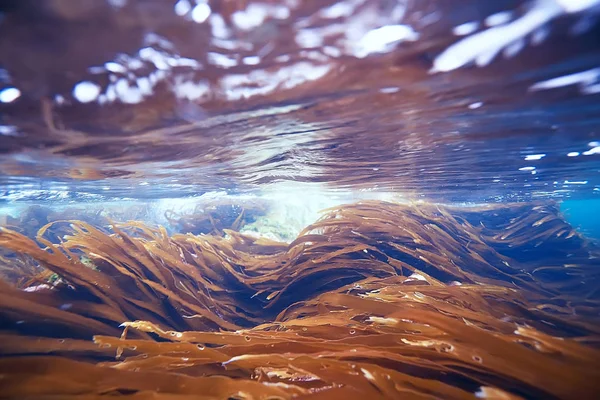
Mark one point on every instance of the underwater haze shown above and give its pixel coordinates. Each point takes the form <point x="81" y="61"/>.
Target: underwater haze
<point x="288" y="199"/>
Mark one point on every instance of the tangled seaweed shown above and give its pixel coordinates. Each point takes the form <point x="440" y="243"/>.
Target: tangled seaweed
<point x="374" y="300"/>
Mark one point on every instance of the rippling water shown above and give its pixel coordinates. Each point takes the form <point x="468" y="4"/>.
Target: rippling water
<point x="461" y="101"/>
<point x="454" y="147"/>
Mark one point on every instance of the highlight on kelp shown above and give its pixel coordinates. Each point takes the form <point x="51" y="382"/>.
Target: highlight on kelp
<point x="373" y="300"/>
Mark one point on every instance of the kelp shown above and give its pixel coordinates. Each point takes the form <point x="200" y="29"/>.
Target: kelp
<point x="33" y="217"/>
<point x="374" y="300"/>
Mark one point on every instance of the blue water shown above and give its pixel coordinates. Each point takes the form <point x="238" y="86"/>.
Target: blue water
<point x="584" y="215"/>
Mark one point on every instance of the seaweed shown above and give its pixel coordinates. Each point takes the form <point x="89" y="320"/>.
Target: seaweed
<point x="373" y="300"/>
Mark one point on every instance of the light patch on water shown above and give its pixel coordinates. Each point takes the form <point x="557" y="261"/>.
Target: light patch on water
<point x="573" y="154"/>
<point x="112" y="66"/>
<point x="144" y="85"/>
<point x="526" y="169"/>
<point x="380" y="40"/>
<point x="499" y="18"/>
<point x="154" y="56"/>
<point x="48" y="195"/>
<point x="117" y="3"/>
<point x="218" y="26"/>
<point x="59" y="99"/>
<point x="476" y="105"/>
<point x="8" y="130"/>
<point x="587" y="81"/>
<point x="539" y="35"/>
<point x="9" y="94"/>
<point x="465" y="29"/>
<point x="128" y="94"/>
<point x="201" y="12"/>
<point x="283" y="58"/>
<point x="364" y="29"/>
<point x="125" y="86"/>
<point x="575" y="182"/>
<point x="251" y="60"/>
<point x="313" y="55"/>
<point x="182" y="7"/>
<point x="594" y="150"/>
<point x="262" y="82"/>
<point x="221" y="60"/>
<point x="533" y="157"/>
<point x="86" y="91"/>
<point x="332" y="51"/>
<point x="186" y="89"/>
<point x="339" y="10"/>
<point x="309" y="38"/>
<point x="481" y="48"/>
<point x="575" y="6"/>
<point x="514" y="48"/>
<point x="257" y="13"/>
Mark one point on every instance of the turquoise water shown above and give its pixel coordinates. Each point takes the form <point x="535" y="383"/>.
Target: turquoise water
<point x="584" y="215"/>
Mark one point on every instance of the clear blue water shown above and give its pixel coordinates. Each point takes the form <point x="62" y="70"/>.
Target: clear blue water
<point x="583" y="215"/>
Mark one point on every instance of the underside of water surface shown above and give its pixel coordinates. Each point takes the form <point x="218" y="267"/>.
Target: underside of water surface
<point x="354" y="199"/>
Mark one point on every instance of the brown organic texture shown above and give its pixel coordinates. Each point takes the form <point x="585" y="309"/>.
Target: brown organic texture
<point x="374" y="300"/>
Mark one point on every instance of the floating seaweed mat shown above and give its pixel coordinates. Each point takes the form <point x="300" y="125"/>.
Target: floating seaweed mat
<point x="374" y="300"/>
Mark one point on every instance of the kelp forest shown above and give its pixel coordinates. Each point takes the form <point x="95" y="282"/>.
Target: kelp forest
<point x="374" y="300"/>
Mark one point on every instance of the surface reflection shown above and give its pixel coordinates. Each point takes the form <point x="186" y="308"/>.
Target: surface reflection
<point x="375" y="95"/>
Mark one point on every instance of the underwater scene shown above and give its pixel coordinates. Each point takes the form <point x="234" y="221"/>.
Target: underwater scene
<point x="299" y="199"/>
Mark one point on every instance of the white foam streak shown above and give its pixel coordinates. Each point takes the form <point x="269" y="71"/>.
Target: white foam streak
<point x="483" y="46"/>
<point x="379" y="40"/>
<point x="585" y="78"/>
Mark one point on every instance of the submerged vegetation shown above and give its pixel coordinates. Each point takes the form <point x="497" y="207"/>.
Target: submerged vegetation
<point x="374" y="300"/>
